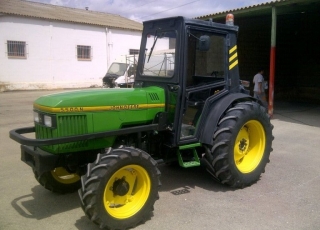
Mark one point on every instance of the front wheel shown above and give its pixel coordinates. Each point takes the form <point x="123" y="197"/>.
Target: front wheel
<point x="59" y="180"/>
<point x="120" y="188"/>
<point x="242" y="145"/>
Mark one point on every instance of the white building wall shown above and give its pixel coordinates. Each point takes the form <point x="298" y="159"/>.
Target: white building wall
<point x="52" y="56"/>
<point x="121" y="41"/>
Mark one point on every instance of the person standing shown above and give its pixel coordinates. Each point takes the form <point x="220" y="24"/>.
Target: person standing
<point x="259" y="87"/>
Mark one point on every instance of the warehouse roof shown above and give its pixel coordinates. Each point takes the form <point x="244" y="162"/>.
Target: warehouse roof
<point x="59" y="13"/>
<point x="283" y="6"/>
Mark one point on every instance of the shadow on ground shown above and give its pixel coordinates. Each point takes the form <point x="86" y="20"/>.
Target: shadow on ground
<point x="41" y="203"/>
<point x="174" y="177"/>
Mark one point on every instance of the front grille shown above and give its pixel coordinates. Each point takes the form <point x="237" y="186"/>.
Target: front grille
<point x="67" y="125"/>
<point x="43" y="132"/>
<point x="72" y="125"/>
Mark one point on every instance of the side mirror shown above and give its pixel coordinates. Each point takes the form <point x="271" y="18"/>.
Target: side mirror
<point x="204" y="43"/>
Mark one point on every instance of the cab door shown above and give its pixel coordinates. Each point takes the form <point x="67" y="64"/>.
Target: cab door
<point x="205" y="76"/>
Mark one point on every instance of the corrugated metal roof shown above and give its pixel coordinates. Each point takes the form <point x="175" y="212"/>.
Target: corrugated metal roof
<point x="258" y="8"/>
<point x="52" y="12"/>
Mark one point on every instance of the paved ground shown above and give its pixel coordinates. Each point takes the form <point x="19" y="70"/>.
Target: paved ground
<point x="286" y="197"/>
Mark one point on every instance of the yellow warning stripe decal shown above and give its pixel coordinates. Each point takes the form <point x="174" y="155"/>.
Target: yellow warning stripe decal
<point x="97" y="108"/>
<point x="233" y="57"/>
<point x="232" y="49"/>
<point x="233" y="64"/>
<point x="233" y="60"/>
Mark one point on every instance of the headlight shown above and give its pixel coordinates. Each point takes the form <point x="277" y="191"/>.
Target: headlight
<point x="47" y="121"/>
<point x="36" y="117"/>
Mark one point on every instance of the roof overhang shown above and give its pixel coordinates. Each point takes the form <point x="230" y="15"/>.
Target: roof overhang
<point x="264" y="9"/>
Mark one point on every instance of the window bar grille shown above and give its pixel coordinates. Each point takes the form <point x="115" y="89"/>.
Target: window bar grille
<point x="84" y="52"/>
<point x="16" y="49"/>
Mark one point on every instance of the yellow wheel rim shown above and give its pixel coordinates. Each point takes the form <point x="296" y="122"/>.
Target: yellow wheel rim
<point x="127" y="191"/>
<point x="63" y="176"/>
<point x="249" y="146"/>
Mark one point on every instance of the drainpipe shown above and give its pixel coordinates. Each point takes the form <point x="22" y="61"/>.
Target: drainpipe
<point x="52" y="74"/>
<point x="272" y="60"/>
<point x="109" y="46"/>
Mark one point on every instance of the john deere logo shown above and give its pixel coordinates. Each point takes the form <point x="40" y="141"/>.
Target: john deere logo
<point x="124" y="107"/>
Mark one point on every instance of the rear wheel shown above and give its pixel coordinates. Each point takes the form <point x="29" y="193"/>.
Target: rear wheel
<point x="242" y="145"/>
<point x="59" y="180"/>
<point x="120" y="188"/>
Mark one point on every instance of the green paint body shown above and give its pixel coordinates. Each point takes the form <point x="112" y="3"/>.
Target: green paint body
<point x="108" y="109"/>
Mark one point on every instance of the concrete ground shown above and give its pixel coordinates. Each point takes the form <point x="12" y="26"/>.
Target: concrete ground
<point x="286" y="196"/>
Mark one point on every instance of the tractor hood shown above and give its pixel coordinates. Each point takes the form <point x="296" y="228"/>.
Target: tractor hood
<point x="95" y="100"/>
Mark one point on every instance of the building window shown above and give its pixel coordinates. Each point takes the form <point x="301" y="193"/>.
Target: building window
<point x="16" y="49"/>
<point x="133" y="51"/>
<point x="84" y="52"/>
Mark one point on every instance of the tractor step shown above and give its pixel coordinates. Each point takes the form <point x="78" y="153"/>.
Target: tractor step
<point x="195" y="160"/>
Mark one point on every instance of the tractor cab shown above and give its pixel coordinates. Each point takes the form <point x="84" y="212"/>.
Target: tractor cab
<point x="192" y="60"/>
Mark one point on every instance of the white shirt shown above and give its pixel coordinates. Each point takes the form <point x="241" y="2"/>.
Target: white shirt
<point x="256" y="80"/>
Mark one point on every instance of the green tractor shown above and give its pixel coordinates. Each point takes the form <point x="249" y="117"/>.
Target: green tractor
<point x="187" y="106"/>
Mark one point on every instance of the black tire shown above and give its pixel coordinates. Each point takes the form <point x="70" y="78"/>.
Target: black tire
<point x="120" y="188"/>
<point x="59" y="180"/>
<point x="241" y="145"/>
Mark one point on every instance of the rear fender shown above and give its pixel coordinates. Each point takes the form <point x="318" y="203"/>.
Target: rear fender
<point x="216" y="110"/>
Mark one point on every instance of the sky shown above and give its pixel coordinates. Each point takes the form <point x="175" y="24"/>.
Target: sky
<point x="143" y="10"/>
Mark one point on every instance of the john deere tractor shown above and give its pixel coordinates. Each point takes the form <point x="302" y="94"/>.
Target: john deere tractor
<point x="187" y="106"/>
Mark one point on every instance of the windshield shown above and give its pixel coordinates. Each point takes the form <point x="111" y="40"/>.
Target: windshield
<point x="160" y="54"/>
<point x="117" y="68"/>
